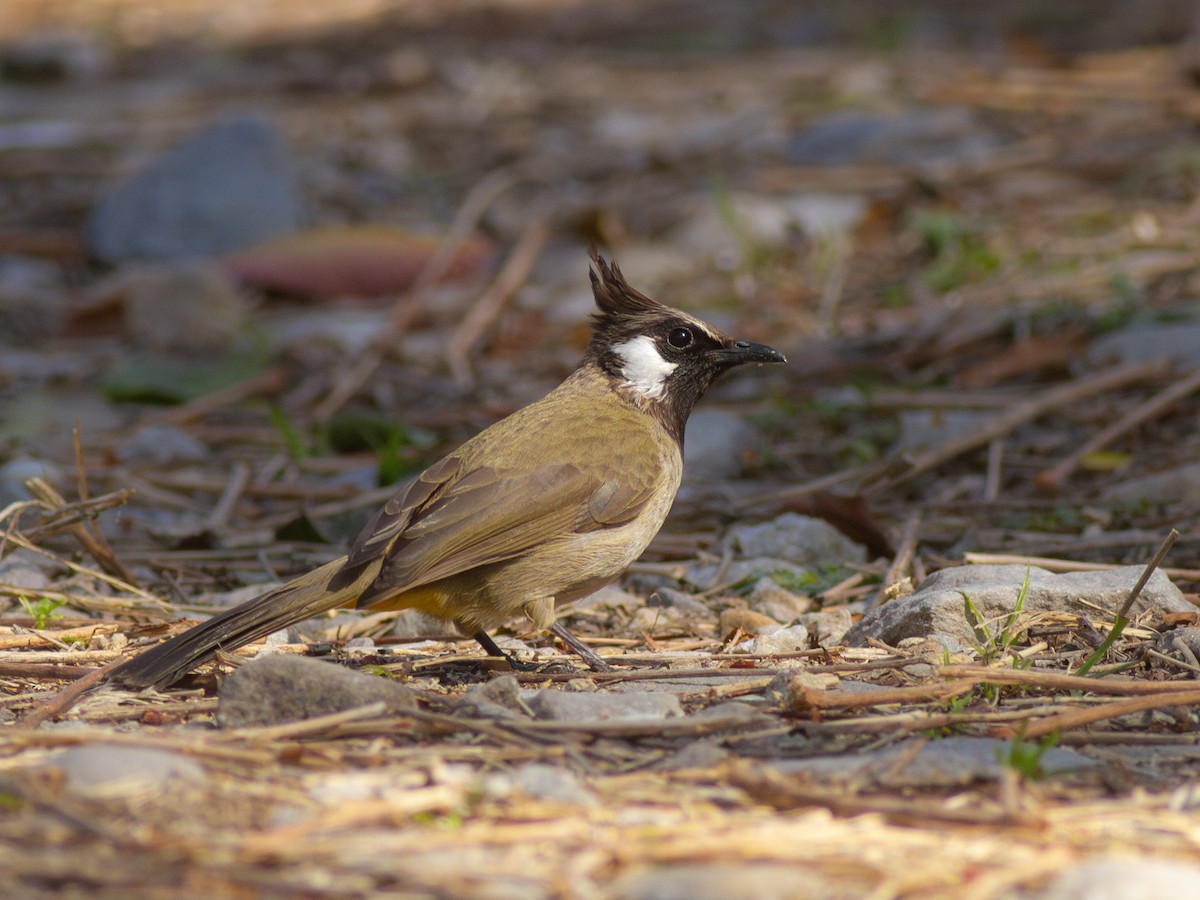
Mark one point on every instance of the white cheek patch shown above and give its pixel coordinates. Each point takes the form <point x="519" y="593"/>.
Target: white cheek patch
<point x="644" y="369"/>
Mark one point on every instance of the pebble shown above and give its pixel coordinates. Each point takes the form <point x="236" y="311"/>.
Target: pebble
<point x="15" y="472"/>
<point x="749" y="621"/>
<point x="1125" y="878"/>
<point x="779" y="603"/>
<point x="499" y="698"/>
<point x="106" y="770"/>
<point x="278" y="688"/>
<point x="829" y="626"/>
<point x="776" y="640"/>
<point x="914" y="137"/>
<point x="1178" y="342"/>
<point x="936" y="610"/>
<point x="564" y="706"/>
<point x="803" y="540"/>
<point x="951" y="762"/>
<point x="544" y="782"/>
<point x="189" y="306"/>
<point x="160" y="445"/>
<point x="1180" y="484"/>
<point x="752" y="880"/>
<point x="224" y="188"/>
<point x="720" y="444"/>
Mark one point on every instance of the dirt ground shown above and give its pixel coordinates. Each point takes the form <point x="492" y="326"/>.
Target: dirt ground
<point x="973" y="235"/>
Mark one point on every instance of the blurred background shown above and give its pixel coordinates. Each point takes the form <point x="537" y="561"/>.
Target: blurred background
<point x="327" y="241"/>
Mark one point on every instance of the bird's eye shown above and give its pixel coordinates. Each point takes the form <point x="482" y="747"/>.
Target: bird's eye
<point x="680" y="338"/>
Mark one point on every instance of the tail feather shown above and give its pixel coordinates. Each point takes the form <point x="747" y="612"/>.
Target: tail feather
<point x="300" y="599"/>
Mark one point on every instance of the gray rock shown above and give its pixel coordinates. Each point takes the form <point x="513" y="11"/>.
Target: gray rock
<point x="951" y="762"/>
<point x="555" y="784"/>
<point x="278" y="688"/>
<point x="222" y="189"/>
<point x="499" y="698"/>
<point x="564" y="706"/>
<point x="719" y="444"/>
<point x="776" y="640"/>
<point x="1176" y="341"/>
<point x="780" y="604"/>
<point x="161" y="445"/>
<point x="705" y="575"/>
<point x="105" y="770"/>
<point x="681" y="602"/>
<point x="694" y="755"/>
<point x="798" y="539"/>
<point x="936" y="610"/>
<point x="829" y="626"/>
<point x="1178" y="485"/>
<point x="1127" y="878"/>
<point x="753" y="880"/>
<point x="914" y="137"/>
<point x="15" y="472"/>
<point x="189" y="306"/>
<point x="922" y="428"/>
<point x="1181" y="643"/>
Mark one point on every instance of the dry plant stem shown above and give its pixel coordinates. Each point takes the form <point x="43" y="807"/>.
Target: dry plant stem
<point x="476" y="203"/>
<point x="1077" y="718"/>
<point x="269" y="382"/>
<point x="111" y="580"/>
<point x="1054" y="681"/>
<point x="1163" y="550"/>
<point x="817" y="699"/>
<point x="64" y="699"/>
<point x="1003" y="424"/>
<point x="487" y="308"/>
<point x="898" y="570"/>
<point x="91" y="541"/>
<point x="235" y="486"/>
<point x="778" y="790"/>
<point x="1053" y="479"/>
<point x="1121" y="620"/>
<point x="65" y="517"/>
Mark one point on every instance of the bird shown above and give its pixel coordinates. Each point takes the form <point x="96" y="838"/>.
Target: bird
<point x="545" y="506"/>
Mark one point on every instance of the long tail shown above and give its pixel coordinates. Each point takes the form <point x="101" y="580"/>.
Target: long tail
<point x="299" y="599"/>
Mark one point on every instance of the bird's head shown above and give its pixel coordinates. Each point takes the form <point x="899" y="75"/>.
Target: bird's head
<point x="658" y="357"/>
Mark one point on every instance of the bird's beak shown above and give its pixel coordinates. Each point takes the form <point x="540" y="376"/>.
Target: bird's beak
<point x="742" y="352"/>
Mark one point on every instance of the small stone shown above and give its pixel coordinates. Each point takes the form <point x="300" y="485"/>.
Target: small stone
<point x="782" y="605"/>
<point x="1178" y="342"/>
<point x="1125" y="878"/>
<point x="747" y="620"/>
<point x="923" y="428"/>
<point x="189" y="306"/>
<point x="779" y="640"/>
<point x="224" y="188"/>
<point x="951" y="762"/>
<point x="561" y="706"/>
<point x="680" y="601"/>
<point x="1180" y="484"/>
<point x="499" y="698"/>
<point x="937" y="609"/>
<point x="799" y="539"/>
<point x="829" y="626"/>
<point x="720" y="444"/>
<point x="359" y="646"/>
<point x="274" y="689"/>
<point x="741" y="571"/>
<point x="160" y="445"/>
<point x="914" y="137"/>
<point x="544" y="782"/>
<point x="104" y="770"/>
<point x="753" y="880"/>
<point x="15" y="472"/>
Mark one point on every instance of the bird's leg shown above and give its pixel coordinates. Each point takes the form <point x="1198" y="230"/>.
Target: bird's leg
<point x="493" y="649"/>
<point x="586" y="653"/>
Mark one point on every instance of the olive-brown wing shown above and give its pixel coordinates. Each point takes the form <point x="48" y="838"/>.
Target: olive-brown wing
<point x="489" y="516"/>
